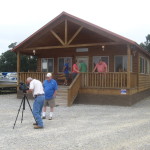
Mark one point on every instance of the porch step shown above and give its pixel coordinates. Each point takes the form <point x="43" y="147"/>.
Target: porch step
<point x="62" y="96"/>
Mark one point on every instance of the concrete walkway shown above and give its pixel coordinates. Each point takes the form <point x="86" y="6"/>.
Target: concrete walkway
<point x="80" y="127"/>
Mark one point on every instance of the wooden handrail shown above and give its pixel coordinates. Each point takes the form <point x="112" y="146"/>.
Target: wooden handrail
<point x="73" y="82"/>
<point x="74" y="89"/>
<point x="92" y="80"/>
<point x="22" y="76"/>
<point x="104" y="80"/>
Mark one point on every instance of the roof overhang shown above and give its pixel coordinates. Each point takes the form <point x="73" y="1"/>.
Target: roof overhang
<point x="62" y="32"/>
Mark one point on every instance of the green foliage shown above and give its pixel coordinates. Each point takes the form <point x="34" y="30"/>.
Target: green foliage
<point x="32" y="63"/>
<point x="12" y="45"/>
<point x="28" y="63"/>
<point x="8" y="61"/>
<point x="146" y="44"/>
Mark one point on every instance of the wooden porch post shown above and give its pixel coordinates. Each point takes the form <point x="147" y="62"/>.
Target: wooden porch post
<point x="66" y="32"/>
<point x="128" y="66"/>
<point x="18" y="66"/>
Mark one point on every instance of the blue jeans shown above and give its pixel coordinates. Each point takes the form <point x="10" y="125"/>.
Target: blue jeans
<point x="74" y="75"/>
<point x="37" y="109"/>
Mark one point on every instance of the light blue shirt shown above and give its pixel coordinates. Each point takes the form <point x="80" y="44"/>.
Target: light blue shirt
<point x="50" y="86"/>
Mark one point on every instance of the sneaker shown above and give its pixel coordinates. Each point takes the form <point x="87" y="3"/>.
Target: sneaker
<point x="43" y="117"/>
<point x="50" y="118"/>
<point x="37" y="127"/>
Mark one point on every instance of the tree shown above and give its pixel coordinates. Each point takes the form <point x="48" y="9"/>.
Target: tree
<point x="8" y="61"/>
<point x="32" y="61"/>
<point x="28" y="63"/>
<point x="146" y="44"/>
<point x="12" y="45"/>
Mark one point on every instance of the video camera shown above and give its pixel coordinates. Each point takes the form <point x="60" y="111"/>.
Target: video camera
<point x="23" y="87"/>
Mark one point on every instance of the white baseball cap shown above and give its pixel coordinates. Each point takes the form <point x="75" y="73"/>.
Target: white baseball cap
<point x="48" y="75"/>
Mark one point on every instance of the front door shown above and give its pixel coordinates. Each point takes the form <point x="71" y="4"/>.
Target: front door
<point x="83" y="59"/>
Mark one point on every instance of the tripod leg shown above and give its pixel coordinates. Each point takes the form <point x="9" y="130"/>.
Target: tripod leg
<point x="30" y="107"/>
<point x="23" y="108"/>
<point x="18" y="113"/>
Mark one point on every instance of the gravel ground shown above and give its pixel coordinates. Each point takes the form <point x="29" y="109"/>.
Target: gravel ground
<point x="80" y="127"/>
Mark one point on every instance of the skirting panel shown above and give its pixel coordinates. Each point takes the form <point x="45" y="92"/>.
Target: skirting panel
<point x="102" y="99"/>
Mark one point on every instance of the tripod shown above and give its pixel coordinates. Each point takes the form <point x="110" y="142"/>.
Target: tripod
<point x="23" y="108"/>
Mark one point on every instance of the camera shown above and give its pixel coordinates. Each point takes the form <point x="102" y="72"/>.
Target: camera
<point x="23" y="87"/>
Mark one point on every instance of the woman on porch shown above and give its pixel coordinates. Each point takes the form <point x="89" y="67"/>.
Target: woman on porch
<point x="75" y="69"/>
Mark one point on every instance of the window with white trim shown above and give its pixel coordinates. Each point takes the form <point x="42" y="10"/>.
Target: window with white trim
<point x="147" y="66"/>
<point x="121" y="63"/>
<point x="62" y="61"/>
<point x="47" y="65"/>
<point x="103" y="58"/>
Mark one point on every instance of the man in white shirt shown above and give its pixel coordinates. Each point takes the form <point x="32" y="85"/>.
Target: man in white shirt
<point x="36" y="88"/>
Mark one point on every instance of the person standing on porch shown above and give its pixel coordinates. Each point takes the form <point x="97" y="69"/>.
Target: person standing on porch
<point x="101" y="66"/>
<point x="75" y="70"/>
<point x="50" y="89"/>
<point x="38" y="93"/>
<point x="66" y="72"/>
<point x="82" y="66"/>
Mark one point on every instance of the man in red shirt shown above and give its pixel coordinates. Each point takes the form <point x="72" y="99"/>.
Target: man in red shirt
<point x="101" y="66"/>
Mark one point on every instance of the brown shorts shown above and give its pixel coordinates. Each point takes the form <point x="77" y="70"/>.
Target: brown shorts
<point x="50" y="102"/>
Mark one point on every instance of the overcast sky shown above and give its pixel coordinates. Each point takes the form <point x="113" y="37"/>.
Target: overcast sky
<point x="20" y="18"/>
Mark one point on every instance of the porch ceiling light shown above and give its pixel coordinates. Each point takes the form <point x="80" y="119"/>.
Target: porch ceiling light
<point x="103" y="47"/>
<point x="34" y="51"/>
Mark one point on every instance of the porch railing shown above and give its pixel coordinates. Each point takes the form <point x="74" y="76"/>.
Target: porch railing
<point x="22" y="76"/>
<point x="92" y="80"/>
<point x="74" y="89"/>
<point x="104" y="80"/>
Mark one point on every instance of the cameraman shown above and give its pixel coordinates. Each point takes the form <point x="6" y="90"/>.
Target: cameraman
<point x="36" y="88"/>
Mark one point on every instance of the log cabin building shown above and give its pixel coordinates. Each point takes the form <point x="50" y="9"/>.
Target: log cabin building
<point x="68" y="37"/>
